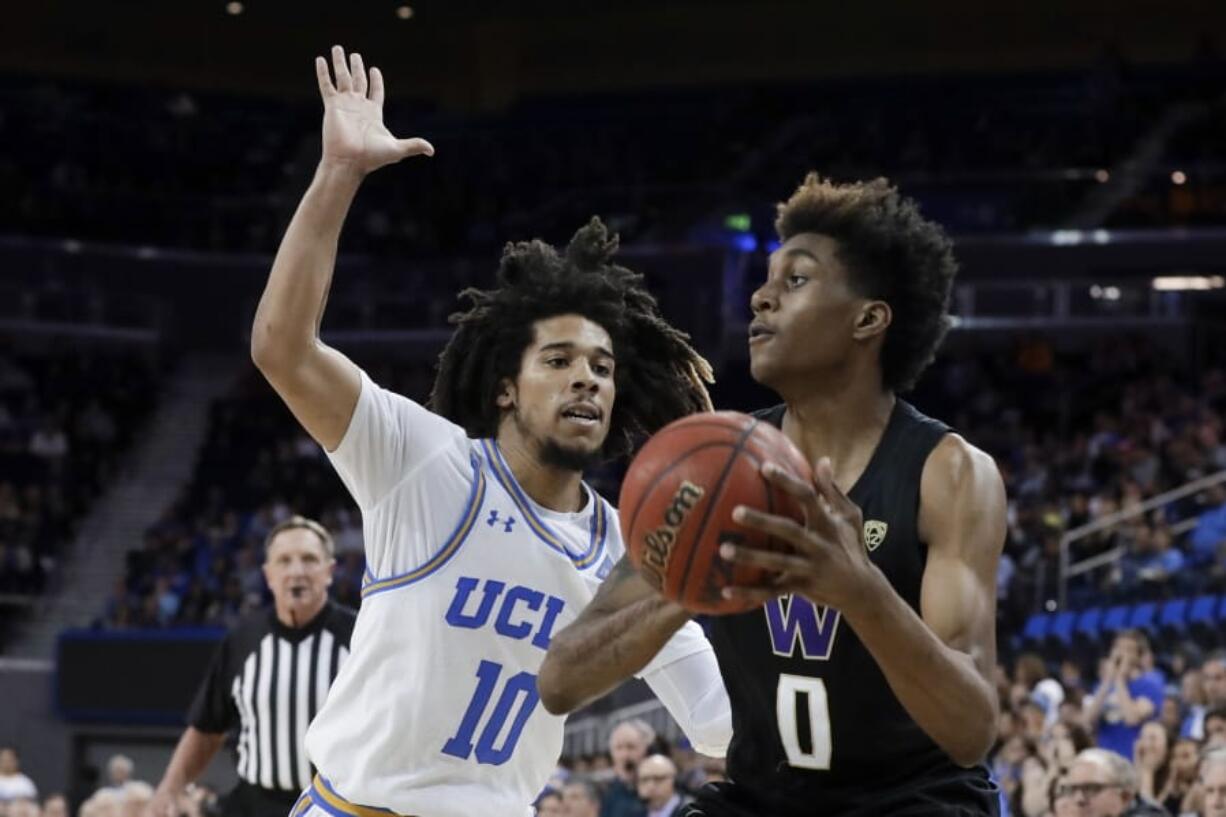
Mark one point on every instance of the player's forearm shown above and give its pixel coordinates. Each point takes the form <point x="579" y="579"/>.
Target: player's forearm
<point x="192" y="756"/>
<point x="600" y="650"/>
<point x="287" y="320"/>
<point x="940" y="687"/>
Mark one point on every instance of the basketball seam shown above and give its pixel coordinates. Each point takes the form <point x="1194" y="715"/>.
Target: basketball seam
<point x="706" y="514"/>
<point x="679" y="460"/>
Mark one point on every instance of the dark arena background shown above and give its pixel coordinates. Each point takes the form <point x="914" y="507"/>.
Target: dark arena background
<point x="152" y="153"/>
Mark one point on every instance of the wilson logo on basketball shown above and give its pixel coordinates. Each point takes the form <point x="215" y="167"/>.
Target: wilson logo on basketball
<point x="659" y="542"/>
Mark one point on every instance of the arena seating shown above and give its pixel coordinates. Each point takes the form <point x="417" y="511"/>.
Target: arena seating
<point x="66" y="417"/>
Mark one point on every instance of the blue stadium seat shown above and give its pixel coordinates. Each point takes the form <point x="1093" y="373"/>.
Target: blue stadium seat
<point x="1143" y="617"/>
<point x="1115" y="619"/>
<point x="1203" y="612"/>
<point x="1062" y="628"/>
<point x="1089" y="624"/>
<point x="1036" y="628"/>
<point x="1173" y="617"/>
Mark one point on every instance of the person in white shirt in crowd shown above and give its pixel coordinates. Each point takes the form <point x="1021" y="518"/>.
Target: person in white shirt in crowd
<point x="481" y="537"/>
<point x="13" y="784"/>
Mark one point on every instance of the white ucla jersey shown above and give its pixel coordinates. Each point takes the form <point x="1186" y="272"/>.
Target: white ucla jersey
<point x="436" y="712"/>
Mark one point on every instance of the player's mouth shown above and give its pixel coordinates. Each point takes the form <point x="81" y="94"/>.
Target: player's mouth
<point x="298" y="591"/>
<point x="759" y="333"/>
<point x="582" y="414"/>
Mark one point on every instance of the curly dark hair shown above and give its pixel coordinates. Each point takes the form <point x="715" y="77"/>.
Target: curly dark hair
<point x="893" y="255"/>
<point x="659" y="376"/>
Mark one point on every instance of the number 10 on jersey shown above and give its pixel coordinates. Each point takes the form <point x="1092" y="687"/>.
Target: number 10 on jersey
<point x="519" y="688"/>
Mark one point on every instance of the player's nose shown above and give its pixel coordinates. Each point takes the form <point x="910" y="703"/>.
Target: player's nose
<point x="763" y="300"/>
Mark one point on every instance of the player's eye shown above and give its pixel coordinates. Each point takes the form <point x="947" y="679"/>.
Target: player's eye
<point x="797" y="280"/>
<point x="556" y="362"/>
<point x="603" y="370"/>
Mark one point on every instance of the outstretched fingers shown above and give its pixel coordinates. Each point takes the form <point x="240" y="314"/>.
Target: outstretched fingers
<point x="344" y="80"/>
<point x="326" y="88"/>
<point x="359" y="73"/>
<point x="376" y="86"/>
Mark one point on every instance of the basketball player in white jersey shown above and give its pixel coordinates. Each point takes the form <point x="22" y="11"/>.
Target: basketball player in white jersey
<point x="481" y="538"/>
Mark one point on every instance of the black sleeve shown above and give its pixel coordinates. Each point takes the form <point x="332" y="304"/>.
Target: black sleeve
<point x="213" y="709"/>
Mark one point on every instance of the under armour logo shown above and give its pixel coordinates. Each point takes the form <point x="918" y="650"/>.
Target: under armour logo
<point x="507" y="523"/>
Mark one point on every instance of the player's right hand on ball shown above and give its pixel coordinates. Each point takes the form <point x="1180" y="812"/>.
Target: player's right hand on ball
<point x="354" y="134"/>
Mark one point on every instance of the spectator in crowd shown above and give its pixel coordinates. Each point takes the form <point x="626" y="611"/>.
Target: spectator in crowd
<point x="1104" y="784"/>
<point x="23" y="807"/>
<point x="581" y="798"/>
<point x="1127" y="696"/>
<point x="549" y="804"/>
<point x="119" y="770"/>
<point x="1215" y="728"/>
<point x="1209" y="536"/>
<point x="657" y="782"/>
<point x="56" y="805"/>
<point x="13" y="784"/>
<point x="1212" y="784"/>
<point x="1212" y="692"/>
<point x="1152" y="761"/>
<point x="627" y="746"/>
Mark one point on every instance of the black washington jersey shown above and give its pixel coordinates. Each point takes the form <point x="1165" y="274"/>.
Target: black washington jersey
<point x="816" y="728"/>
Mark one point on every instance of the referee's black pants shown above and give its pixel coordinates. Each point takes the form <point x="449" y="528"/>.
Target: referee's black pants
<point x="247" y="800"/>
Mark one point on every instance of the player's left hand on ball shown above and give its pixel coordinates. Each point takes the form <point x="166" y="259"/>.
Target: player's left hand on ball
<point x="829" y="563"/>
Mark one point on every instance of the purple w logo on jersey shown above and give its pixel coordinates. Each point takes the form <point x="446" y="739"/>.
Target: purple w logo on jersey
<point x="793" y="618"/>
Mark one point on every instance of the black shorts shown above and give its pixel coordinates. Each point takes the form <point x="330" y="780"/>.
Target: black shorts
<point x="923" y="799"/>
<point x="246" y="800"/>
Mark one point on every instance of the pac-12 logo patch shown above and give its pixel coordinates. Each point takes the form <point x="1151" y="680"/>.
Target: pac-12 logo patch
<point x="874" y="533"/>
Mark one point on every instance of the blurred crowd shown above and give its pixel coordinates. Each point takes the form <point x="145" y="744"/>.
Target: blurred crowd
<point x="1001" y="152"/>
<point x="65" y="416"/>
<point x="641" y="775"/>
<point x="1082" y="435"/>
<point x="1133" y="730"/>
<point x="120" y="795"/>
<point x="1078" y="435"/>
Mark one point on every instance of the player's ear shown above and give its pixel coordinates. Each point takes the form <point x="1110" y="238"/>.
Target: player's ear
<point x="506" y="394"/>
<point x="874" y="319"/>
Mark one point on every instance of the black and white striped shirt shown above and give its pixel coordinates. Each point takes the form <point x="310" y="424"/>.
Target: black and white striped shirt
<point x="268" y="681"/>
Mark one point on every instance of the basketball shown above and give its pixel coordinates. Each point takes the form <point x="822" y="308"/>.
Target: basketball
<point x="678" y="496"/>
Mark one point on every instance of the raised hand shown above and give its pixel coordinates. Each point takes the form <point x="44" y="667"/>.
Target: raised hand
<point x="353" y="133"/>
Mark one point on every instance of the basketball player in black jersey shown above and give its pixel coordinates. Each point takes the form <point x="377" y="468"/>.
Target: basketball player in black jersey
<point x="862" y="685"/>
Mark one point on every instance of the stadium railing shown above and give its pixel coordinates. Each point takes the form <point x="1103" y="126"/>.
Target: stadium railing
<point x="1070" y="569"/>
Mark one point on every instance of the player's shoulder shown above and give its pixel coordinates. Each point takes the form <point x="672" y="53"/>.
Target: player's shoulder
<point x="958" y="464"/>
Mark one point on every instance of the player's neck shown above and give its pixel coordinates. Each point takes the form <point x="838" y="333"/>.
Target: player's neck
<point x="558" y="489"/>
<point x="843" y="423"/>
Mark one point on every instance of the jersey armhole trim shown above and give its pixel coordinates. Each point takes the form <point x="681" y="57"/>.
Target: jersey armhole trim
<point x="450" y="548"/>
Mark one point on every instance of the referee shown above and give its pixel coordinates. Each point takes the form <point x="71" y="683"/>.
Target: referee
<point x="268" y="678"/>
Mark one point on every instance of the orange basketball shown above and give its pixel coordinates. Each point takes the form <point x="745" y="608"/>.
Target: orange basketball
<point x="677" y="500"/>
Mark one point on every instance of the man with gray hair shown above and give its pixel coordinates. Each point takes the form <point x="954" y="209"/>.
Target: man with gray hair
<point x="628" y="744"/>
<point x="1104" y="784"/>
<point x="1212" y="780"/>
